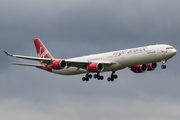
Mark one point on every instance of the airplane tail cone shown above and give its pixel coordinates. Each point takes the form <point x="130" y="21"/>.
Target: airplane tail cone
<point x="42" y="52"/>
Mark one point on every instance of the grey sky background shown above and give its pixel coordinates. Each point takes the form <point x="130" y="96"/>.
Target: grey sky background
<point x="72" y="28"/>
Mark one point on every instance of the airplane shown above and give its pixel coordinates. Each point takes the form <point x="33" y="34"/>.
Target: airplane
<point x="139" y="60"/>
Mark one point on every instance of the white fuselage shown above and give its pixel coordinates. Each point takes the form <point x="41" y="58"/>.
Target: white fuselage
<point x="124" y="58"/>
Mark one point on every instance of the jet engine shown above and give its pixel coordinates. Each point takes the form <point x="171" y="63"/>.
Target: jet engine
<point x="139" y="68"/>
<point x="95" y="67"/>
<point x="151" y="66"/>
<point x="58" y="64"/>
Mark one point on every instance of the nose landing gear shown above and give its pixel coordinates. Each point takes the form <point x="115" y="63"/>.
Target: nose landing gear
<point x="163" y="66"/>
<point x="163" y="62"/>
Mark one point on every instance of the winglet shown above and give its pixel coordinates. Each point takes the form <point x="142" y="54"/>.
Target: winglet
<point x="7" y="53"/>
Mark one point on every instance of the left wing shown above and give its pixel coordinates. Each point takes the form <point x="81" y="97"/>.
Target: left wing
<point x="43" y="60"/>
<point x="70" y="62"/>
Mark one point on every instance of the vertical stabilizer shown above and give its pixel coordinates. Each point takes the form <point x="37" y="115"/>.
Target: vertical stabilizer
<point x="42" y="52"/>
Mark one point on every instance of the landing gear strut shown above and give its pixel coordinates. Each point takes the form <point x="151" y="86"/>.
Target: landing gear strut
<point x="163" y="62"/>
<point x="113" y="76"/>
<point x="87" y="77"/>
<point x="98" y="76"/>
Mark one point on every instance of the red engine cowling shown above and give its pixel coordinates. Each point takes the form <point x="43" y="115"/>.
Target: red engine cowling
<point x="58" y="64"/>
<point x="151" y="66"/>
<point x="139" y="68"/>
<point x="95" y="67"/>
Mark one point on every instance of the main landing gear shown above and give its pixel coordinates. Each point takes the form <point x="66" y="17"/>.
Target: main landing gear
<point x="113" y="76"/>
<point x="87" y="77"/>
<point x="98" y="76"/>
<point x="163" y="62"/>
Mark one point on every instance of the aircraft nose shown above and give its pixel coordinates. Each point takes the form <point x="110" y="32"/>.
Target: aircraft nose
<point x="174" y="51"/>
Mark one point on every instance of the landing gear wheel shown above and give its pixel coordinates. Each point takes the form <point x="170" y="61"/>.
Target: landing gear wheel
<point x="109" y="79"/>
<point x="163" y="66"/>
<point x="90" y="76"/>
<point x="115" y="76"/>
<point x="83" y="79"/>
<point x="95" y="76"/>
<point x="101" y="77"/>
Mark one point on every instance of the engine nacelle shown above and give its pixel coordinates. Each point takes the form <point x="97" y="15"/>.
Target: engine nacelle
<point x="139" y="68"/>
<point x="58" y="64"/>
<point x="151" y="66"/>
<point x="95" y="67"/>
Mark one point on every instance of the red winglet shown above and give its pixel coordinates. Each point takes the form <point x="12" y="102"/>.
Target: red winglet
<point x="7" y="53"/>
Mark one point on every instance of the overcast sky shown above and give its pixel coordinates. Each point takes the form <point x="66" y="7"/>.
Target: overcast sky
<point x="72" y="28"/>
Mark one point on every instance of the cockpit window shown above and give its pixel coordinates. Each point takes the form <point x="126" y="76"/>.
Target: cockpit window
<point x="169" y="48"/>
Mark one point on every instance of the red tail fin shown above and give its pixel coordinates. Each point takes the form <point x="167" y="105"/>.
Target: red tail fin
<point x="42" y="52"/>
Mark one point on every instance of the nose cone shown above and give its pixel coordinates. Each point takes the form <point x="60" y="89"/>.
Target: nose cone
<point x="174" y="51"/>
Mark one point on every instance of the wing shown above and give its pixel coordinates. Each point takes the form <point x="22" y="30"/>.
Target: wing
<point x="43" y="60"/>
<point x="70" y="62"/>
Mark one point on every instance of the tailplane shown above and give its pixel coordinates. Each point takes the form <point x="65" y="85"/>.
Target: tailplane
<point x="42" y="52"/>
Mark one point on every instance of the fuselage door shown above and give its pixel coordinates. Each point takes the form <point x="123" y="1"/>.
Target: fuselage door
<point x="159" y="50"/>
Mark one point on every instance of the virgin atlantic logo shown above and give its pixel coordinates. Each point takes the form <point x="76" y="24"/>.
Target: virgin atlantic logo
<point x="40" y="54"/>
<point x="164" y="51"/>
